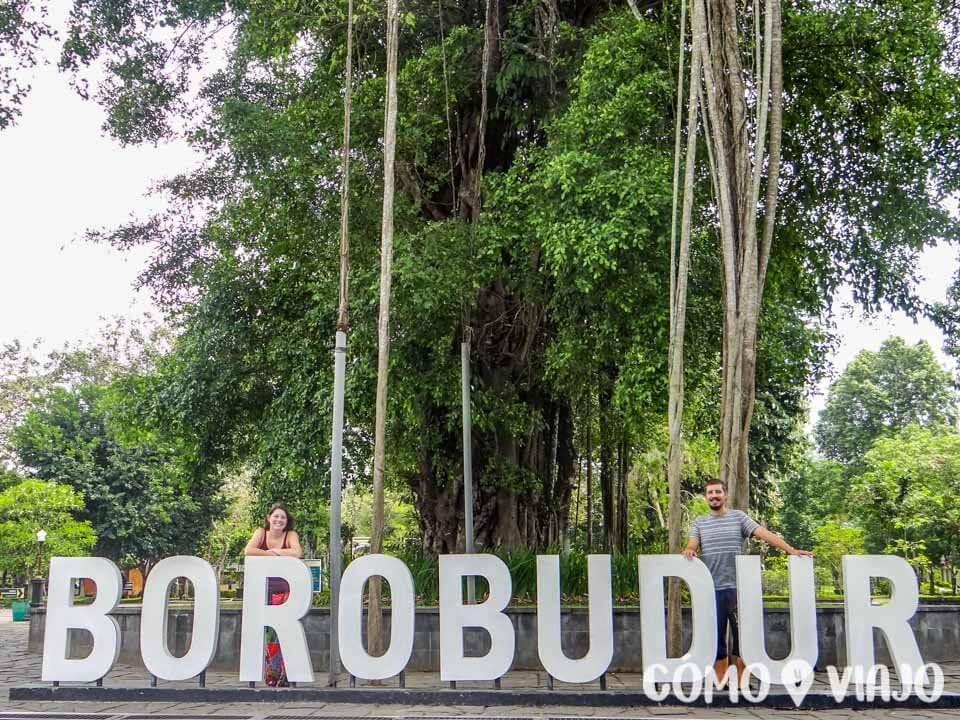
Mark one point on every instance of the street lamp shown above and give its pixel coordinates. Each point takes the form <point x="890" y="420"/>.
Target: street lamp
<point x="41" y="539"/>
<point x="36" y="590"/>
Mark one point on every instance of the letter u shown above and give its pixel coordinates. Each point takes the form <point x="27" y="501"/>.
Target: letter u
<point x="600" y="652"/>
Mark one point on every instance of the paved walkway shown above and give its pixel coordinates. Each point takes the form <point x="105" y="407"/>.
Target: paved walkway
<point x="18" y="668"/>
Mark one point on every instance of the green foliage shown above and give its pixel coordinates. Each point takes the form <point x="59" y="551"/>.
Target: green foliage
<point x="145" y="78"/>
<point x="523" y="575"/>
<point x="228" y="536"/>
<point x="137" y="492"/>
<point x="121" y="346"/>
<point x="812" y="495"/>
<point x="33" y="505"/>
<point x="881" y="393"/>
<point x="832" y="542"/>
<point x="400" y="518"/>
<point x="23" y="27"/>
<point x="563" y="282"/>
<point x="908" y="496"/>
<point x="871" y="139"/>
<point x="8" y="478"/>
<point x="776" y="577"/>
<point x="93" y="425"/>
<point x="21" y="380"/>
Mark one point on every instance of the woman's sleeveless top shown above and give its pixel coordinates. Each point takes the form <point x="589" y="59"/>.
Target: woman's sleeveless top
<point x="275" y="585"/>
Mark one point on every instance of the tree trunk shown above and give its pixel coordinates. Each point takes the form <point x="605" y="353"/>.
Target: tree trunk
<point x="623" y="529"/>
<point x="589" y="542"/>
<point x="566" y="468"/>
<point x="509" y="333"/>
<point x="507" y="515"/>
<point x="606" y="466"/>
<point x="679" y="270"/>
<point x="375" y="643"/>
<point x="737" y="180"/>
<point x="576" y="509"/>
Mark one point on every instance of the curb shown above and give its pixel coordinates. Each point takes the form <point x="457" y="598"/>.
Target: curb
<point x="387" y="696"/>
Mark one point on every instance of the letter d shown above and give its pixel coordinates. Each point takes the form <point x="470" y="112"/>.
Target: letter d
<point x="63" y="616"/>
<point x="653" y="640"/>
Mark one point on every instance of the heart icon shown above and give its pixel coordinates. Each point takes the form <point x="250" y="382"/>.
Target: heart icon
<point x="797" y="677"/>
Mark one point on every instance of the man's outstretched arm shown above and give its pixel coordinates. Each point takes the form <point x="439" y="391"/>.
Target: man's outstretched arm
<point x="761" y="533"/>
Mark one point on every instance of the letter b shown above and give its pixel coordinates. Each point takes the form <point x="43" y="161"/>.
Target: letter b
<point x="63" y="616"/>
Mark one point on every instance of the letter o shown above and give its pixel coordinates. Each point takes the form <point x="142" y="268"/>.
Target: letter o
<point x="350" y="619"/>
<point x="206" y="618"/>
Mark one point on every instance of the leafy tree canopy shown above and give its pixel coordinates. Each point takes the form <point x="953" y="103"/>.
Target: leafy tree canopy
<point x="33" y="505"/>
<point x="813" y="494"/>
<point x="833" y="541"/>
<point x="908" y="496"/>
<point x="23" y="27"/>
<point x="93" y="424"/>
<point x="137" y="490"/>
<point x="562" y="285"/>
<point x="880" y="393"/>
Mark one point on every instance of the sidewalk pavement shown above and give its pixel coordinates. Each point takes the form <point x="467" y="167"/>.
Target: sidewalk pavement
<point x="18" y="668"/>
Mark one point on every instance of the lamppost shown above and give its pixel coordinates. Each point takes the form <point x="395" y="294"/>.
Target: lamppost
<point x="36" y="589"/>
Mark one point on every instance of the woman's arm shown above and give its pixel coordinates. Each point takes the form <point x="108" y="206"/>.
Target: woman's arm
<point x="294" y="549"/>
<point x="253" y="547"/>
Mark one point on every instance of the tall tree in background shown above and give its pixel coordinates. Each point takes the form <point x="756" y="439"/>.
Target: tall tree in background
<point x="375" y="642"/>
<point x="88" y="417"/>
<point x="23" y="380"/>
<point x="907" y="497"/>
<point x="881" y="393"/>
<point x="134" y="475"/>
<point x="738" y="150"/>
<point x="32" y="505"/>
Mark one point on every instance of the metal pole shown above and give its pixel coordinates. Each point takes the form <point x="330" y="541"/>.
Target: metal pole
<point x="467" y="462"/>
<point x="336" y="483"/>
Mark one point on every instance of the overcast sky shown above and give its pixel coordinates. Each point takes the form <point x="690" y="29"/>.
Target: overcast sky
<point x="61" y="175"/>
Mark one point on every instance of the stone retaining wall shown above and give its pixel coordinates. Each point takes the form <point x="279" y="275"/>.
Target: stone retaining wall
<point x="937" y="628"/>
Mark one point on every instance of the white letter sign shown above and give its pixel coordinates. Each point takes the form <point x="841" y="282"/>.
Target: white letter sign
<point x="803" y="617"/>
<point x="893" y="617"/>
<point x="455" y="616"/>
<point x="284" y="619"/>
<point x="653" y="639"/>
<point x="403" y="609"/>
<point x="157" y="657"/>
<point x="600" y="653"/>
<point x="63" y="616"/>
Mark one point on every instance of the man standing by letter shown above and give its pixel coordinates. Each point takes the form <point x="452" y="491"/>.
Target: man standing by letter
<point x="719" y="535"/>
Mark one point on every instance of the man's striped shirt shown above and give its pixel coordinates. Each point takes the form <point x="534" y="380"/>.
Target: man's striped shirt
<point x="721" y="540"/>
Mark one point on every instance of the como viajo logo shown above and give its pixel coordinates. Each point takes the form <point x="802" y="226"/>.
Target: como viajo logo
<point x="689" y="683"/>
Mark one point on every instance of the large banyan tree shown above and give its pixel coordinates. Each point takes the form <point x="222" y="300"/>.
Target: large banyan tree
<point x="564" y="285"/>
